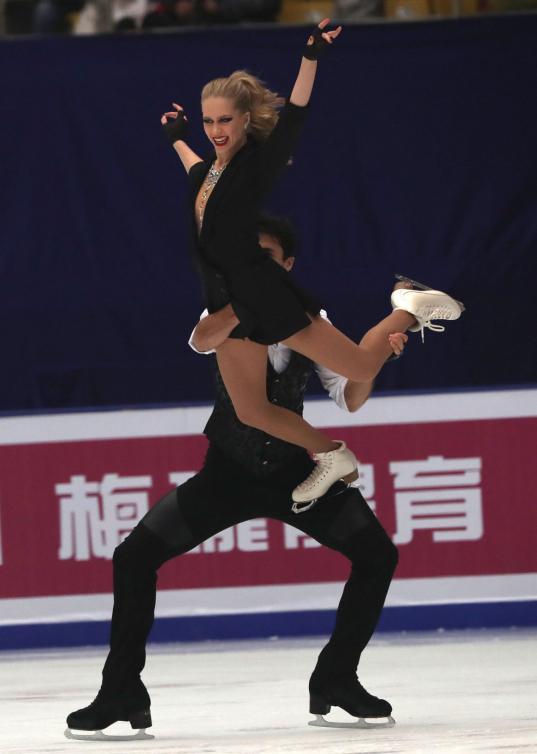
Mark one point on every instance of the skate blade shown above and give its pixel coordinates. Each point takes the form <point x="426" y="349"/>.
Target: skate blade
<point x="423" y="287"/>
<point x="98" y="735"/>
<point x="303" y="507"/>
<point x="361" y="722"/>
<point x="336" y="489"/>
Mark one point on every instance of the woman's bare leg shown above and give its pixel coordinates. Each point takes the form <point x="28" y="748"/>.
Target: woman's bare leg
<point x="243" y="366"/>
<point x="325" y="344"/>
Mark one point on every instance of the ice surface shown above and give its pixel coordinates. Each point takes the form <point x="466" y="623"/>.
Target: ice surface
<point x="451" y="692"/>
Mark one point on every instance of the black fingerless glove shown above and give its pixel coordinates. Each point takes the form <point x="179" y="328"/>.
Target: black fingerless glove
<point x="176" y="128"/>
<point x="315" y="50"/>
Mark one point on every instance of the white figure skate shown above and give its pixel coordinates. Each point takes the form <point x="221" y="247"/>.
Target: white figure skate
<point x="425" y="304"/>
<point x="332" y="466"/>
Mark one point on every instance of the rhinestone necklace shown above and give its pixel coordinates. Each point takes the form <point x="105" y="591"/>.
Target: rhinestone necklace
<point x="211" y="179"/>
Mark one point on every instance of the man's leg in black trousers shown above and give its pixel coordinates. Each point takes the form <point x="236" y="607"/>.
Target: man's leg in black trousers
<point x="122" y="695"/>
<point x="345" y="523"/>
<point x="211" y="501"/>
<point x="206" y="504"/>
<point x="136" y="562"/>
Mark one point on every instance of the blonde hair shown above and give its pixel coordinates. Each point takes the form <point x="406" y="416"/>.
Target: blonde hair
<point x="249" y="95"/>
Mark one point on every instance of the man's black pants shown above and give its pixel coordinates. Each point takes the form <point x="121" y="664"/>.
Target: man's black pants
<point x="223" y="495"/>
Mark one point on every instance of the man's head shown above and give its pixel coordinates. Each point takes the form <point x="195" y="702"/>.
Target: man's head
<point x="277" y="238"/>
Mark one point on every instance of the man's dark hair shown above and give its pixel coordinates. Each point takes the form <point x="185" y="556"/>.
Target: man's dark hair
<point x="282" y="230"/>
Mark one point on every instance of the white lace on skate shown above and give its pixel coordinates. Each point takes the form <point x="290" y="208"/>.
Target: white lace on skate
<point x="424" y="320"/>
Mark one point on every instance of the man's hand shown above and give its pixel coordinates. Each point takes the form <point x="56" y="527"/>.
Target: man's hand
<point x="212" y="331"/>
<point x="398" y="341"/>
<point x="356" y="393"/>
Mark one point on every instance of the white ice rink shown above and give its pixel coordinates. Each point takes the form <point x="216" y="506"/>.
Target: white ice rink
<point x="451" y="692"/>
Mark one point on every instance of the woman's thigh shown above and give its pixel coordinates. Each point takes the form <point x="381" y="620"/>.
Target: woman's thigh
<point x="325" y="344"/>
<point x="243" y="366"/>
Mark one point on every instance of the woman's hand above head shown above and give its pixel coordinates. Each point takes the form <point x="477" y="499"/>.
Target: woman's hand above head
<point x="175" y="124"/>
<point x="320" y="40"/>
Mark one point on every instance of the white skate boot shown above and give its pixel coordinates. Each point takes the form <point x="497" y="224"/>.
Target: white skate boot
<point x="334" y="465"/>
<point x="426" y="305"/>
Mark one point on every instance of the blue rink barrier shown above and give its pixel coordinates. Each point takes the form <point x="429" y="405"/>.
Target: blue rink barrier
<point x="268" y="625"/>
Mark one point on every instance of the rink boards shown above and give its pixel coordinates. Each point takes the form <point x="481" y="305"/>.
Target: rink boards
<point x="449" y="475"/>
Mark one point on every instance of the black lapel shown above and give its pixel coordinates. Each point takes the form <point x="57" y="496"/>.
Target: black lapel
<point x="224" y="181"/>
<point x="199" y="177"/>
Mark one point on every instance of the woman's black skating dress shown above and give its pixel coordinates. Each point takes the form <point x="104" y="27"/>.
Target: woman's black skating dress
<point x="233" y="268"/>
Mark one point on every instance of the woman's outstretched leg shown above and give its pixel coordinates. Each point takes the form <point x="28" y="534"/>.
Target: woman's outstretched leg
<point x="413" y="310"/>
<point x="360" y="362"/>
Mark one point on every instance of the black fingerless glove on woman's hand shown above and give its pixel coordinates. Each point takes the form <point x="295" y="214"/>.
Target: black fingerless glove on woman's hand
<point x="176" y="128"/>
<point x="315" y="50"/>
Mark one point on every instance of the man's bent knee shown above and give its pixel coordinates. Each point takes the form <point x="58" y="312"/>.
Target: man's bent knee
<point x="141" y="550"/>
<point x="374" y="552"/>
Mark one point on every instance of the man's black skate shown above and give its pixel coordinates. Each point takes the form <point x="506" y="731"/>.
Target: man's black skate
<point x="105" y="710"/>
<point x="349" y="694"/>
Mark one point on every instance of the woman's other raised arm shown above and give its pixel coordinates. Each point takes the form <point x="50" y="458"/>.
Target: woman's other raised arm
<point x="175" y="124"/>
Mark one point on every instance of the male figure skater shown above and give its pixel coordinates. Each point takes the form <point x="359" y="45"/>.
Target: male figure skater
<point x="246" y="475"/>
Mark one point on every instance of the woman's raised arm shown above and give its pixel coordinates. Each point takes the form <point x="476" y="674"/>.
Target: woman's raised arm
<point x="317" y="43"/>
<point x="175" y="124"/>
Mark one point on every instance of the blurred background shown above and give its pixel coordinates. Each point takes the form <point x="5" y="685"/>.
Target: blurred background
<point x="419" y="157"/>
<point x="98" y="16"/>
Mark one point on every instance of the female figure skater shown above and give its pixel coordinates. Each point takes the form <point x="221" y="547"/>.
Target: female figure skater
<point x="252" y="144"/>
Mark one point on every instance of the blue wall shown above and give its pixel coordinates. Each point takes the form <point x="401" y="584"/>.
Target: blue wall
<point x="419" y="156"/>
<point x="266" y="625"/>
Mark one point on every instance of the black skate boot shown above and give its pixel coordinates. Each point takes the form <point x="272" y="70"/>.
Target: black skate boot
<point x="349" y="694"/>
<point x="109" y="708"/>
